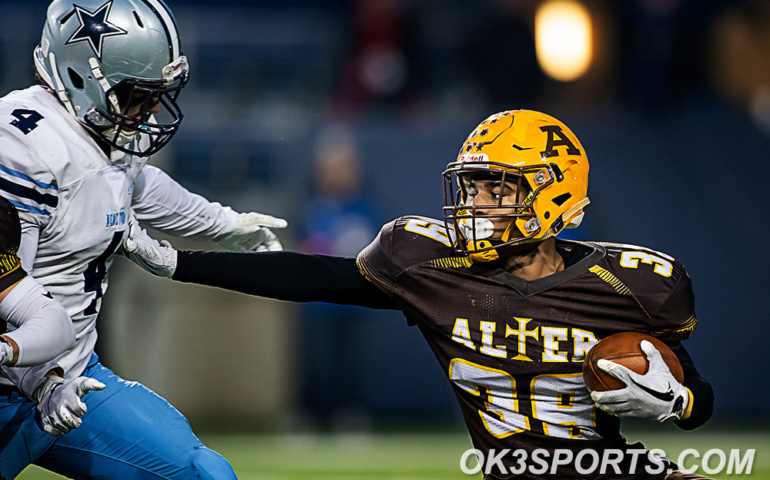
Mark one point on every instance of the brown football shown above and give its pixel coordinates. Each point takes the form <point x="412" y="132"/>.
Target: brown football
<point x="625" y="349"/>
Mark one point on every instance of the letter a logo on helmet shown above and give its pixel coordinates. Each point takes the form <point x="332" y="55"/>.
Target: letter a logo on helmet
<point x="556" y="138"/>
<point x="532" y="149"/>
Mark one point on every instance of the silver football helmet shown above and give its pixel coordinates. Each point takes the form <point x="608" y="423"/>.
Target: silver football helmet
<point x="117" y="67"/>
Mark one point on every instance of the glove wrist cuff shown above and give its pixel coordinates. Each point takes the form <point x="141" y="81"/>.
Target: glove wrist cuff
<point x="688" y="404"/>
<point x="44" y="387"/>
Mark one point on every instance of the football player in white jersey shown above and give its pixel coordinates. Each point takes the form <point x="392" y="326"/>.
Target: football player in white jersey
<point x="36" y="330"/>
<point x="72" y="161"/>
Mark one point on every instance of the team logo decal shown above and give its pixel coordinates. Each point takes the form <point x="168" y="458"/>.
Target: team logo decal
<point x="557" y="138"/>
<point x="478" y="157"/>
<point x="94" y="27"/>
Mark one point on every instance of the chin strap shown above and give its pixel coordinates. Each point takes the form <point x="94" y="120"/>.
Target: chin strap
<point x="487" y="255"/>
<point x="507" y="233"/>
<point x="492" y="254"/>
<point x="59" y="85"/>
<point x="119" y="135"/>
<point x="575" y="222"/>
<point x="99" y="76"/>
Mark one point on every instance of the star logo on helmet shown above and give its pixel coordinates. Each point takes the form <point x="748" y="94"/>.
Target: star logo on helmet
<point x="94" y="27"/>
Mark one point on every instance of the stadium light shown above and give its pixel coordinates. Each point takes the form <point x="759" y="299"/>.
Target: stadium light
<point x="563" y="39"/>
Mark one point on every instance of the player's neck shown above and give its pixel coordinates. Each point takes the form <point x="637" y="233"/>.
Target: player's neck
<point x="533" y="261"/>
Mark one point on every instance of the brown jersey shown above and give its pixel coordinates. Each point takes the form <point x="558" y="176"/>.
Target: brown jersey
<point x="513" y="349"/>
<point x="10" y="239"/>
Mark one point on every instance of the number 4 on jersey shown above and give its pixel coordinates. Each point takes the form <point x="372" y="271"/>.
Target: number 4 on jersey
<point x="97" y="270"/>
<point x="26" y="120"/>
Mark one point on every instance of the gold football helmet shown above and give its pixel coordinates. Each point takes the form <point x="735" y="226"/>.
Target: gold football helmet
<point x="536" y="152"/>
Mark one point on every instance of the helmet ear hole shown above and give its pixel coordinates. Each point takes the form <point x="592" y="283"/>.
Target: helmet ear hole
<point x="562" y="199"/>
<point x="66" y="17"/>
<point x="77" y="80"/>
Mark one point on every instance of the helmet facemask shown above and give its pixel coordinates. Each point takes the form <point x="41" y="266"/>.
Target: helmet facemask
<point x="138" y="109"/>
<point x="479" y="226"/>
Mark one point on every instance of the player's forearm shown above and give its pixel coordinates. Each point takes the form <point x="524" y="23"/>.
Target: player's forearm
<point x="702" y="394"/>
<point x="284" y="276"/>
<point x="40" y="327"/>
<point x="27" y="379"/>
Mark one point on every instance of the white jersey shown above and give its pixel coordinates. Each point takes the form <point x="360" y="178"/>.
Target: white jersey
<point x="74" y="203"/>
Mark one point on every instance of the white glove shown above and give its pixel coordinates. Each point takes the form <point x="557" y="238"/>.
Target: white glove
<point x="59" y="405"/>
<point x="158" y="258"/>
<point x="6" y="352"/>
<point x="655" y="395"/>
<point x="250" y="234"/>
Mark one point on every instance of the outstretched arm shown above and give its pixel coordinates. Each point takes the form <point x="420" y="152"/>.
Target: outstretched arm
<point x="288" y="276"/>
<point x="162" y="203"/>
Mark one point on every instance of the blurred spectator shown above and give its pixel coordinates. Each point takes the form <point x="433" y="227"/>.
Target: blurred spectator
<point x="739" y="67"/>
<point x="380" y="66"/>
<point x="339" y="220"/>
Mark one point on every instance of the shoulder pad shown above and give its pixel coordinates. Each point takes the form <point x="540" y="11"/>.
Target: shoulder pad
<point x="659" y="283"/>
<point x="38" y="142"/>
<point x="403" y="243"/>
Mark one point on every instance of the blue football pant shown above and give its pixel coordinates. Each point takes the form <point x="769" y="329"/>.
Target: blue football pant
<point x="128" y="433"/>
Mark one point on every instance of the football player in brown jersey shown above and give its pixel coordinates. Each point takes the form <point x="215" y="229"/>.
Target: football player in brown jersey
<point x="509" y="310"/>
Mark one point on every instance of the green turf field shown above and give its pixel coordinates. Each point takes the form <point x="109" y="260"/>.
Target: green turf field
<point x="401" y="456"/>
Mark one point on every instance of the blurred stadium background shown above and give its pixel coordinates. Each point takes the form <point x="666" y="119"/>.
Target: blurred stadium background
<point x="670" y="98"/>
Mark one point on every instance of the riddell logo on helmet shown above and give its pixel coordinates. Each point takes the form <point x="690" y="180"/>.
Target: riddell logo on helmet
<point x="479" y="157"/>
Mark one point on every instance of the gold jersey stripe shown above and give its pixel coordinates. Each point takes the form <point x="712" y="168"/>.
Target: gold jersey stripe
<point x="689" y="323"/>
<point x="611" y="279"/>
<point x="9" y="263"/>
<point x="679" y="332"/>
<point x="367" y="272"/>
<point x="452" y="262"/>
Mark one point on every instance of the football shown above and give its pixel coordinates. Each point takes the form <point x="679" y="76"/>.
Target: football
<point x="624" y="349"/>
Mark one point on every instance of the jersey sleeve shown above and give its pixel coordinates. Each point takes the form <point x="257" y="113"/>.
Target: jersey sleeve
<point x="163" y="204"/>
<point x="661" y="287"/>
<point x="26" y="181"/>
<point x="38" y="324"/>
<point x="401" y="244"/>
<point x="10" y="239"/>
<point x="675" y="318"/>
<point x="375" y="262"/>
<point x="290" y="276"/>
